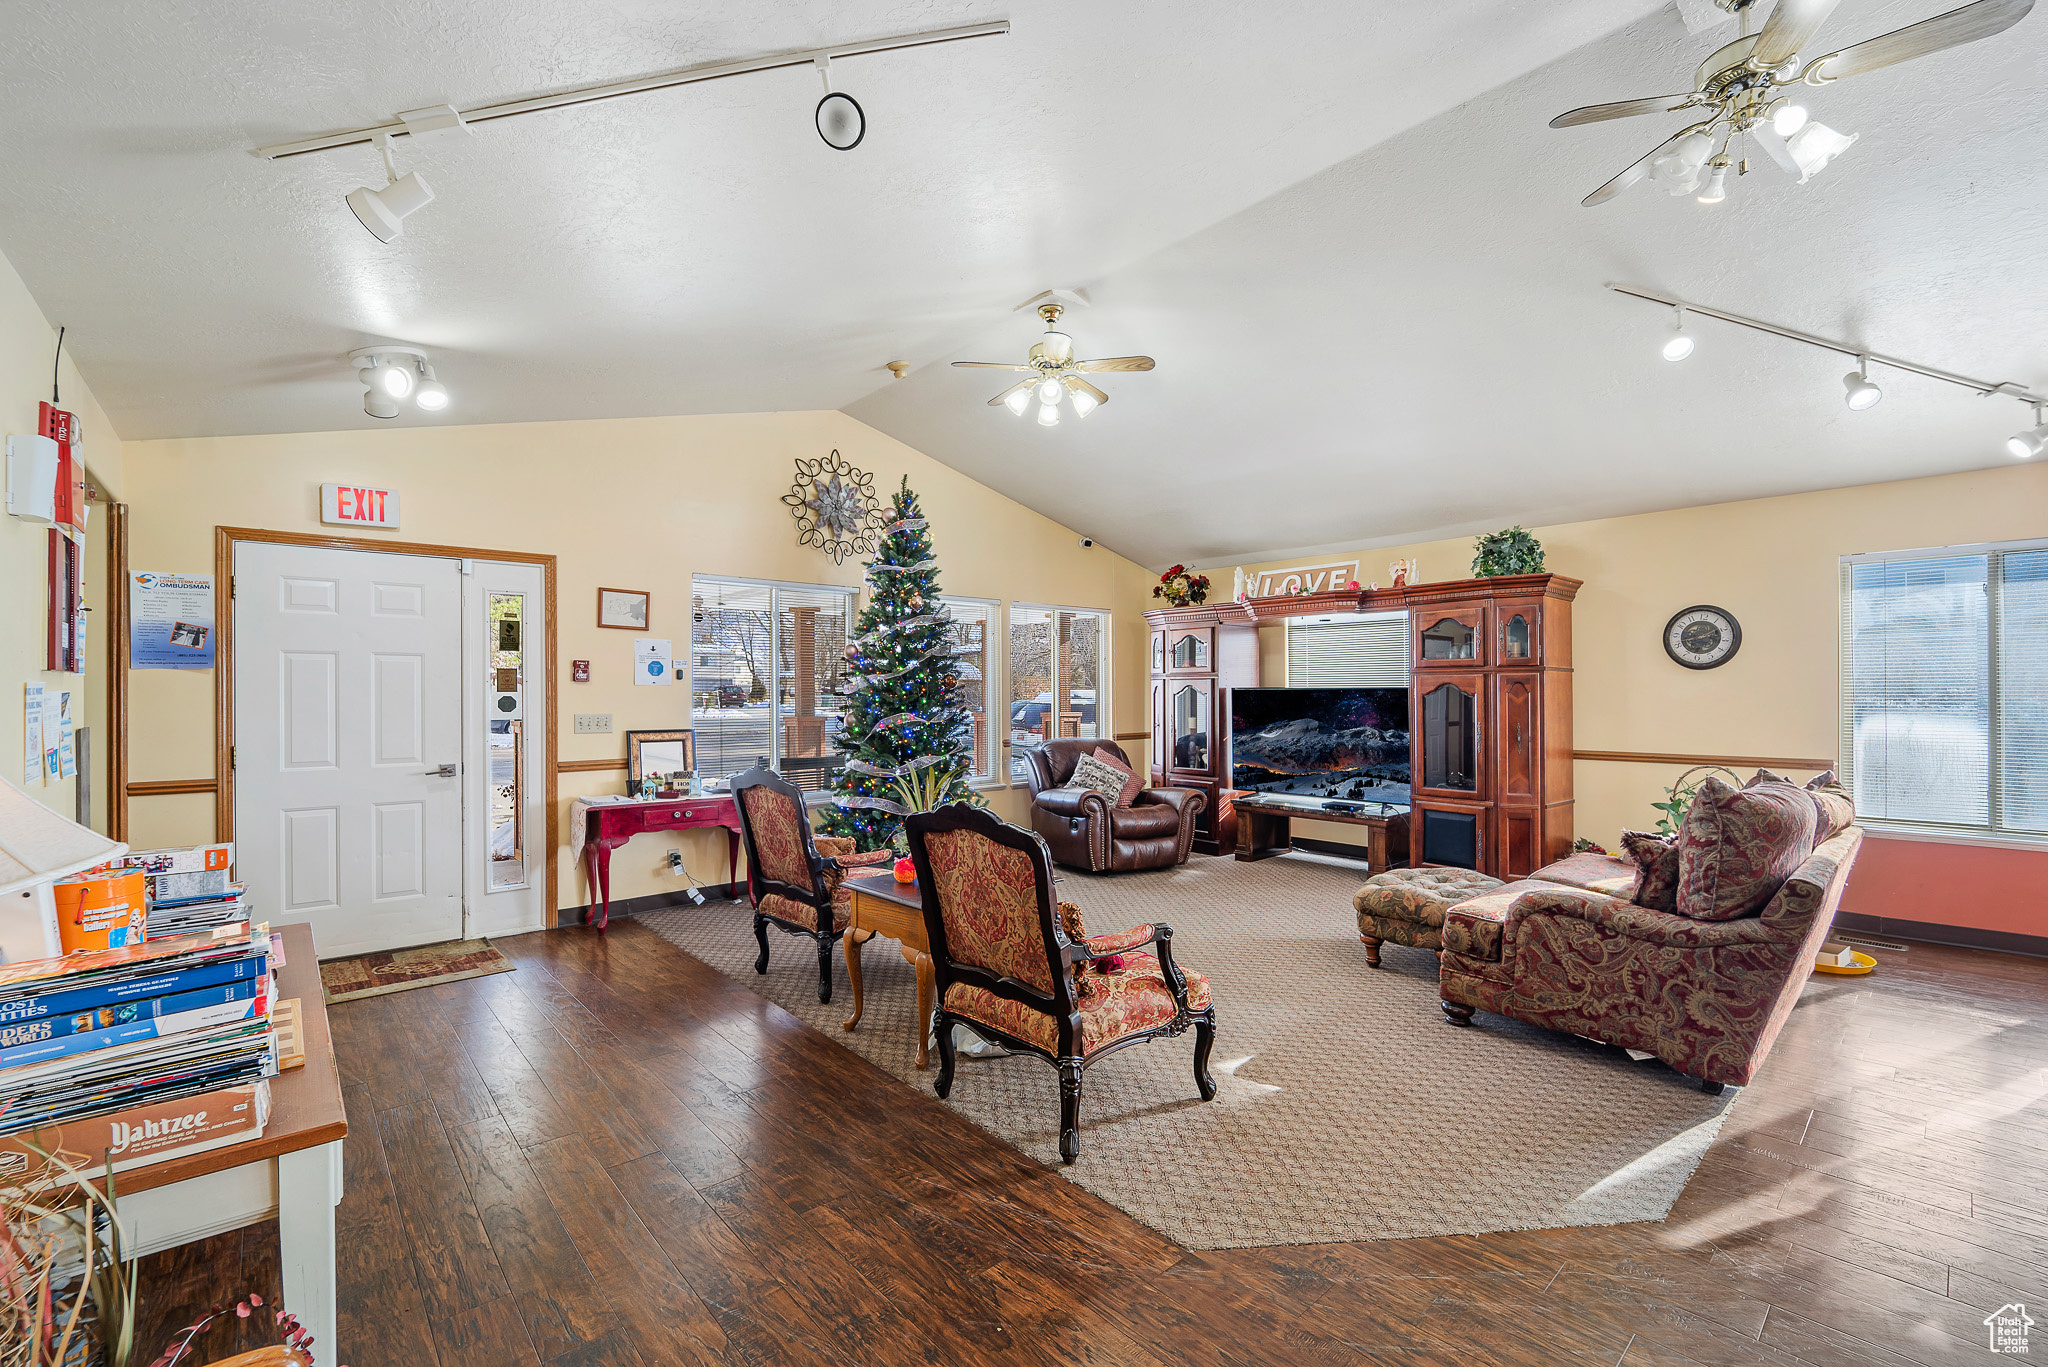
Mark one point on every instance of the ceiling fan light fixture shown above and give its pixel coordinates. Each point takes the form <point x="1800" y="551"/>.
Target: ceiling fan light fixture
<point x="1018" y="400"/>
<point x="1084" y="402"/>
<point x="1859" y="392"/>
<point x="1814" y="146"/>
<point x="1787" y="118"/>
<point x="1048" y="415"/>
<point x="1049" y="392"/>
<point x="1717" y="183"/>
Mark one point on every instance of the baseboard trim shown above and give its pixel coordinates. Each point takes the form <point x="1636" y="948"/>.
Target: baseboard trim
<point x="1961" y="937"/>
<point x="571" y="918"/>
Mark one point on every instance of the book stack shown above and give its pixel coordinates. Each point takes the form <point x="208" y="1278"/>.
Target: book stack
<point x="140" y="1054"/>
<point x="190" y="890"/>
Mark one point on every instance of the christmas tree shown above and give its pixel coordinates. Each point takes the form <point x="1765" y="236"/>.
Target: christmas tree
<point x="908" y="735"/>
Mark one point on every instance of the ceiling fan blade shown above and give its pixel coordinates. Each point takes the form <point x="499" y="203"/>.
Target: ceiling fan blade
<point x="1075" y="382"/>
<point x="1631" y="173"/>
<point x="997" y="401"/>
<point x="1791" y="27"/>
<point x="1620" y="109"/>
<point x="1116" y="363"/>
<point x="994" y="365"/>
<point x="1958" y="26"/>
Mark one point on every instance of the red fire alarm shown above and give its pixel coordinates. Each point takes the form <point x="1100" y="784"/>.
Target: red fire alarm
<point x="579" y="671"/>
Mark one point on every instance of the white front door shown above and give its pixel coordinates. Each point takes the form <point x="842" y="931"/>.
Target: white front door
<point x="348" y="743"/>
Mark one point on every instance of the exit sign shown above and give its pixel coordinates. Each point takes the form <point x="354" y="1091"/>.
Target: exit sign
<point x="349" y="506"/>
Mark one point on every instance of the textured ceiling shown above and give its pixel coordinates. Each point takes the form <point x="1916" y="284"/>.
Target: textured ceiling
<point x="696" y="250"/>
<point x="1343" y="229"/>
<point x="1416" y="343"/>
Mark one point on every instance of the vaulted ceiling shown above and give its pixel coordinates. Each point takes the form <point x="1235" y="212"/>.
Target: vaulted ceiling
<point x="1343" y="229"/>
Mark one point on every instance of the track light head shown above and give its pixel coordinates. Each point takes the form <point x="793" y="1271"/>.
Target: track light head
<point x="432" y="394"/>
<point x="392" y="372"/>
<point x="378" y="404"/>
<point x="1678" y="345"/>
<point x="2030" y="443"/>
<point x="384" y="211"/>
<point x="1860" y="393"/>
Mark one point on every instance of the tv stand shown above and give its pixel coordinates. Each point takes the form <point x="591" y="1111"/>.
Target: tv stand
<point x="1265" y="828"/>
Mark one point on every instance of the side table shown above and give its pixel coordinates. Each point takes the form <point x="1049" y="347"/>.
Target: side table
<point x="612" y="824"/>
<point x="882" y="906"/>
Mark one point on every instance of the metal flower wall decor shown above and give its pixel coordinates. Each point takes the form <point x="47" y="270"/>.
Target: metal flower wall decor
<point x="835" y="507"/>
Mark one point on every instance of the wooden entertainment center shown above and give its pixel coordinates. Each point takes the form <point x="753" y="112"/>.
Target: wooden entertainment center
<point x="1489" y="705"/>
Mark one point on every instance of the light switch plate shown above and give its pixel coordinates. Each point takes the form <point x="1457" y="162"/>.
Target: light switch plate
<point x="593" y="723"/>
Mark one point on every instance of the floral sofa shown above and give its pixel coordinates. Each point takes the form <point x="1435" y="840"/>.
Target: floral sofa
<point x="1705" y="992"/>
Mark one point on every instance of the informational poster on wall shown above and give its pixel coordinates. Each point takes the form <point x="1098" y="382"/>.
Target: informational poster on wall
<point x="32" y="733"/>
<point x="67" y="754"/>
<point x="53" y="734"/>
<point x="652" y="658"/>
<point x="170" y="620"/>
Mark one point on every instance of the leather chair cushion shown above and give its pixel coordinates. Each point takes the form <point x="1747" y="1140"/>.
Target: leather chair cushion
<point x="1151" y="820"/>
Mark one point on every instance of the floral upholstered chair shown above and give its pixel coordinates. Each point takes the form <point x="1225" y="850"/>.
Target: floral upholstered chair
<point x="1004" y="964"/>
<point x="793" y="877"/>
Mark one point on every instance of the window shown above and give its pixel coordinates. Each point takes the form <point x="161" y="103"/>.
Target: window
<point x="1359" y="652"/>
<point x="974" y="662"/>
<point x="1055" y="653"/>
<point x="1945" y="688"/>
<point x="768" y="677"/>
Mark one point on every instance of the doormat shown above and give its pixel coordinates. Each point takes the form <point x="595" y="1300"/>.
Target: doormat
<point x="373" y="975"/>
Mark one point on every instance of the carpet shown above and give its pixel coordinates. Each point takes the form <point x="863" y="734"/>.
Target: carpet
<point x="1347" y="1109"/>
<point x="373" y="975"/>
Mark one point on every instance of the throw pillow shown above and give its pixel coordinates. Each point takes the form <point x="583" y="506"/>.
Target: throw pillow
<point x="1737" y="846"/>
<point x="1837" y="808"/>
<point x="1092" y="773"/>
<point x="1656" y="861"/>
<point x="1133" y="785"/>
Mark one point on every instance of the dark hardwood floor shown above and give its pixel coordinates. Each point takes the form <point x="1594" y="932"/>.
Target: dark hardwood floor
<point x="616" y="1156"/>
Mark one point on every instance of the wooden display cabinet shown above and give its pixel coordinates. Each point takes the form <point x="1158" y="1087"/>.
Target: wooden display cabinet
<point x="1197" y="658"/>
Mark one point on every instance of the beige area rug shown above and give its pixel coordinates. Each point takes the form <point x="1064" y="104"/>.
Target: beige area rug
<point x="1347" y="1109"/>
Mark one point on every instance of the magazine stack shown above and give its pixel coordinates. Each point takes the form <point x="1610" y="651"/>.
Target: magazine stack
<point x="189" y="890"/>
<point x="136" y="1054"/>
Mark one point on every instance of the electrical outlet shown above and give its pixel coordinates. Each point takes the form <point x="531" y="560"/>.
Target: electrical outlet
<point x="593" y="723"/>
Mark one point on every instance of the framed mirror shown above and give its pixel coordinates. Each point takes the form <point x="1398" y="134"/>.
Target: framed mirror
<point x="668" y="755"/>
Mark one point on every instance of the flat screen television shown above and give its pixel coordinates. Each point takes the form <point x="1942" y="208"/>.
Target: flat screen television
<point x="1321" y="744"/>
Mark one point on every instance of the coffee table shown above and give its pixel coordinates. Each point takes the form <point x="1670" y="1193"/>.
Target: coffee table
<point x="882" y="906"/>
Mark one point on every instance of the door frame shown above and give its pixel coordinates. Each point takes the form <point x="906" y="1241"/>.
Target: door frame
<point x="224" y="542"/>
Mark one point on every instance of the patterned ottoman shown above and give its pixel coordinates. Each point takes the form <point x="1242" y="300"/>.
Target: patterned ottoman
<point x="1407" y="906"/>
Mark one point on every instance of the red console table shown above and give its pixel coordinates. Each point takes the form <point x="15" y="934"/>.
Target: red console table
<point x="612" y="824"/>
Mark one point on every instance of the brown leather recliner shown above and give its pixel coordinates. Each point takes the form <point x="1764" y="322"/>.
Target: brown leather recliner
<point x="1086" y="832"/>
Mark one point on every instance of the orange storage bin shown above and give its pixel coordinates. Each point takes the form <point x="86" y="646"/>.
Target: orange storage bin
<point x="100" y="913"/>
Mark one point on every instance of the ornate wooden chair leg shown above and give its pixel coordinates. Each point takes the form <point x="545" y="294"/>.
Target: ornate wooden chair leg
<point x="1372" y="950"/>
<point x="944" y="1083"/>
<point x="1205" y="1040"/>
<point x="761" y="935"/>
<point x="1070" y="1111"/>
<point x="1457" y="1013"/>
<point x="825" y="969"/>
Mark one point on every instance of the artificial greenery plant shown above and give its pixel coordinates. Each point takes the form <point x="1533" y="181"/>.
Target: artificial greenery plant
<point x="1513" y="551"/>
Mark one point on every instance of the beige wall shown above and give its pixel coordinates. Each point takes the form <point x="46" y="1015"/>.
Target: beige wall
<point x="1772" y="562"/>
<point x="626" y="503"/>
<point x="27" y="342"/>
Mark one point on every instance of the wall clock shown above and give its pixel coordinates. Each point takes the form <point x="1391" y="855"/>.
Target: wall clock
<point x="1702" y="637"/>
<point x="835" y="506"/>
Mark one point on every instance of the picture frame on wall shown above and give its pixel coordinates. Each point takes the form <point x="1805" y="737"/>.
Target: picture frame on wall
<point x="622" y="609"/>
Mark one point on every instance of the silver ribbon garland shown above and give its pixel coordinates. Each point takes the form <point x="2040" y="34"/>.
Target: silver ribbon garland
<point x="907" y="524"/>
<point x="903" y="569"/>
<point x="891" y="628"/>
<point x="861" y="766"/>
<point x="880" y="804"/>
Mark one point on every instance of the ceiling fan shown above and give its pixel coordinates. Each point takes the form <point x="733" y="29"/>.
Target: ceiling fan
<point x="1055" y="374"/>
<point x="1742" y="86"/>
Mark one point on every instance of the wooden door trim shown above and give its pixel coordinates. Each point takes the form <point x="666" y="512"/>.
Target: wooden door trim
<point x="224" y="540"/>
<point x="117" y="670"/>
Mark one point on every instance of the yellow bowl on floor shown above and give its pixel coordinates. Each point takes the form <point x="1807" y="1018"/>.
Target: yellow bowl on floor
<point x="1864" y="963"/>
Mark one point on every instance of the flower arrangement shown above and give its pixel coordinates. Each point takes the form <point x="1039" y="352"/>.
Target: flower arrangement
<point x="1182" y="588"/>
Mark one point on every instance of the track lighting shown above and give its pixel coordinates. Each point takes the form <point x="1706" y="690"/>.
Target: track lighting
<point x="1678" y="345"/>
<point x="1861" y="393"/>
<point x="1814" y="146"/>
<point x="384" y="211"/>
<point x="391" y="372"/>
<point x="842" y="123"/>
<point x="2030" y="443"/>
<point x="1717" y="182"/>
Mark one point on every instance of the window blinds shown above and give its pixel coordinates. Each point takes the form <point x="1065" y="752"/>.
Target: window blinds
<point x="1944" y="674"/>
<point x="767" y="677"/>
<point x="1364" y="652"/>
